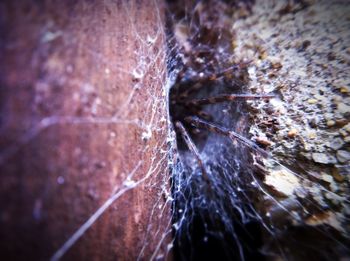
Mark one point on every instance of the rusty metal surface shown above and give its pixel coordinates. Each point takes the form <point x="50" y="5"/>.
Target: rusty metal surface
<point x="73" y="118"/>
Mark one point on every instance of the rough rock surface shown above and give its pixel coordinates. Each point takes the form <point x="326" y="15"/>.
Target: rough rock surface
<point x="299" y="50"/>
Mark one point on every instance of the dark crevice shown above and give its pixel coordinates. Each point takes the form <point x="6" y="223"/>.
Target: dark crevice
<point x="213" y="219"/>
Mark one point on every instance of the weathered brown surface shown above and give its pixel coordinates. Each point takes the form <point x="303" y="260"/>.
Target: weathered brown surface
<point x="81" y="106"/>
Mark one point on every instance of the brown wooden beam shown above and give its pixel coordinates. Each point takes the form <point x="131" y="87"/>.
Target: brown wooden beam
<point x="83" y="116"/>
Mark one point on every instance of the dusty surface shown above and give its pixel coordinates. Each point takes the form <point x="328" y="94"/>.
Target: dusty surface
<point x="81" y="120"/>
<point x="300" y="51"/>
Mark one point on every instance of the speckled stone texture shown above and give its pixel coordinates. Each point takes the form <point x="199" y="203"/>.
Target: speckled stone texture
<point x="300" y="51"/>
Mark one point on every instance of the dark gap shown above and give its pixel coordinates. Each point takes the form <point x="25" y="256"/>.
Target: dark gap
<point x="206" y="223"/>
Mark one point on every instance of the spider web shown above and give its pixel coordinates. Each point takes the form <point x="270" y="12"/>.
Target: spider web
<point x="71" y="104"/>
<point x="254" y="202"/>
<point x="251" y="196"/>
